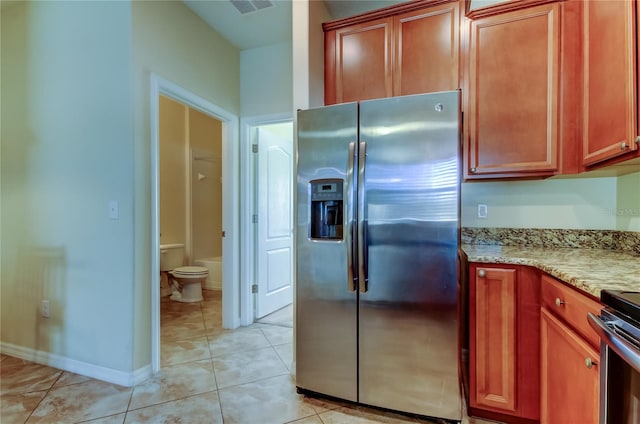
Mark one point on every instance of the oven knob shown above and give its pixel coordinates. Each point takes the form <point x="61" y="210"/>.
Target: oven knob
<point x="589" y="362"/>
<point x="559" y="302"/>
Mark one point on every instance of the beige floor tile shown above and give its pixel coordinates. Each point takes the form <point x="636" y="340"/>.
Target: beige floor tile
<point x="174" y="352"/>
<point x="228" y="342"/>
<point x="211" y="304"/>
<point x="112" y="419"/>
<point x="473" y="420"/>
<point x="362" y="415"/>
<point x="173" y="383"/>
<point x="314" y="419"/>
<point x="285" y="352"/>
<point x="19" y="376"/>
<point x="16" y="408"/>
<point x="68" y="378"/>
<point x="199" y="409"/>
<point x="212" y="319"/>
<point x="267" y="401"/>
<point x="321" y="404"/>
<point x="212" y="295"/>
<point x="192" y="313"/>
<point x="278" y="335"/>
<point x="245" y="367"/>
<point x="179" y="330"/>
<point x="81" y="402"/>
<point x="177" y="310"/>
<point x="283" y="317"/>
<point x="15" y="361"/>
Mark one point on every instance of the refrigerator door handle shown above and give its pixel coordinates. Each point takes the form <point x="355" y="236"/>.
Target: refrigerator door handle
<point x="363" y="278"/>
<point x="350" y="218"/>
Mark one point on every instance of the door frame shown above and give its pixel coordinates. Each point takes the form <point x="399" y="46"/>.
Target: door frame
<point x="249" y="187"/>
<point x="231" y="308"/>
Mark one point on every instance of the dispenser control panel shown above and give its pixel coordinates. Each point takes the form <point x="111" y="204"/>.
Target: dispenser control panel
<point x="326" y="209"/>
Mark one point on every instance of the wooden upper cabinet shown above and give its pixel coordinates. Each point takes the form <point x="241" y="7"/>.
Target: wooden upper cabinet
<point x="363" y="61"/>
<point x="426" y="50"/>
<point x="512" y="126"/>
<point x="610" y="80"/>
<point x="410" y="48"/>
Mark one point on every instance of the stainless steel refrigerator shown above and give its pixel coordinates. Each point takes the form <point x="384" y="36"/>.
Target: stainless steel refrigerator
<point x="377" y="213"/>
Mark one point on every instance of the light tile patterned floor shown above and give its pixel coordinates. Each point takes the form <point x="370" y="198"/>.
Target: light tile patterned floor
<point x="208" y="375"/>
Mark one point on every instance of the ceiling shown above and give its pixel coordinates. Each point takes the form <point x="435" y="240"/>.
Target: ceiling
<point x="269" y="25"/>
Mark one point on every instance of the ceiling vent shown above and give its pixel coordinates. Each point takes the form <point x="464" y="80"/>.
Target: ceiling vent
<point x="248" y="6"/>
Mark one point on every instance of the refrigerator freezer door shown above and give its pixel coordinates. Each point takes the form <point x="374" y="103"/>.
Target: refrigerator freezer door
<point x="326" y="308"/>
<point x="408" y="346"/>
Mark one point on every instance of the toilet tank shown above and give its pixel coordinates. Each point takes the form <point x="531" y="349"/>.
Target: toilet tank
<point x="171" y="256"/>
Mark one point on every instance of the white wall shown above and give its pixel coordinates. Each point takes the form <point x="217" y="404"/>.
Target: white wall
<point x="75" y="135"/>
<point x="172" y="42"/>
<point x="308" y="53"/>
<point x="628" y="205"/>
<point x="67" y="150"/>
<point x="582" y="203"/>
<point x="266" y="75"/>
<point x="318" y="14"/>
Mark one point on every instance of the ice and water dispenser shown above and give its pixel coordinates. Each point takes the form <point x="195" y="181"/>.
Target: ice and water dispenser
<point x="326" y="209"/>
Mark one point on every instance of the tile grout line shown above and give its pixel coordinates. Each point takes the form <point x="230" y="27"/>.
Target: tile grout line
<point x="43" y="397"/>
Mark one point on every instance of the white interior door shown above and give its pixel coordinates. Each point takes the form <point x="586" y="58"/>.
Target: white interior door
<point x="275" y="218"/>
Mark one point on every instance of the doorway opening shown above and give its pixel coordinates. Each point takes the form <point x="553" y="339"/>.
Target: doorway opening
<point x="229" y="155"/>
<point x="268" y="154"/>
<point x="190" y="144"/>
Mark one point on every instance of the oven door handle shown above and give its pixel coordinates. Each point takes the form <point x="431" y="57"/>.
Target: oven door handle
<point x="629" y="353"/>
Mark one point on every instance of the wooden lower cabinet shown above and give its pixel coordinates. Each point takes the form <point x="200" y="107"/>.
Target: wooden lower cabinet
<point x="504" y="314"/>
<point x="570" y="375"/>
<point x="532" y="355"/>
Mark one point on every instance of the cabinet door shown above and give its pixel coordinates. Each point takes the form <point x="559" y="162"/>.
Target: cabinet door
<point x="363" y="61"/>
<point x="570" y="375"/>
<point x="426" y="50"/>
<point x="609" y="112"/>
<point x="512" y="112"/>
<point x="493" y="339"/>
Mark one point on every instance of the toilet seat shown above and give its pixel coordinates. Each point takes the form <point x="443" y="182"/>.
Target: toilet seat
<point x="190" y="272"/>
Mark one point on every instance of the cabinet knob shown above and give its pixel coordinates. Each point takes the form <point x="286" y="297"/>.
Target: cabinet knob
<point x="623" y="146"/>
<point x="590" y="363"/>
<point x="559" y="302"/>
<point x="473" y="170"/>
<point x="482" y="273"/>
<point x="638" y="139"/>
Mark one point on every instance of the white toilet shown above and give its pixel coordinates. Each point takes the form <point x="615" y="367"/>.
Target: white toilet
<point x="189" y="278"/>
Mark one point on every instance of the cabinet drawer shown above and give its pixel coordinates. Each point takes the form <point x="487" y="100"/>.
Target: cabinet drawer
<point x="571" y="306"/>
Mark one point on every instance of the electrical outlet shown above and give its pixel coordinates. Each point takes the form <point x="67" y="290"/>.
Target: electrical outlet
<point x="483" y="211"/>
<point x="45" y="308"/>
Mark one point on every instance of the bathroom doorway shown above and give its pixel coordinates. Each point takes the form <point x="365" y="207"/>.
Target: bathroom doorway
<point x="200" y="163"/>
<point x="191" y="187"/>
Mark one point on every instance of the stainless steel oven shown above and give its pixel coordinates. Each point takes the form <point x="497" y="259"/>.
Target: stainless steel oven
<point x="619" y="328"/>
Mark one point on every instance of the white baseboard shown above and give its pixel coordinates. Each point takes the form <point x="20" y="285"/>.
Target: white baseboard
<point x="213" y="285"/>
<point x="109" y="375"/>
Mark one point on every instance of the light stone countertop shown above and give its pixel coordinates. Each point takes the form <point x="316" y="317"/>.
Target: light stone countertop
<point x="590" y="270"/>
